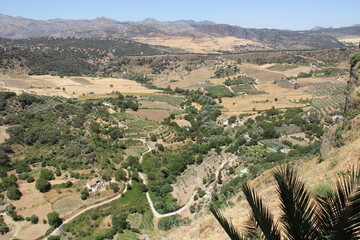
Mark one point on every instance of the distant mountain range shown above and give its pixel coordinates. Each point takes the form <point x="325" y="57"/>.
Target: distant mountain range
<point x="19" y="27"/>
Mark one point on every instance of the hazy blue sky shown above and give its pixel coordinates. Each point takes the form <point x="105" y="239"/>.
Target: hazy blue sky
<point x="282" y="14"/>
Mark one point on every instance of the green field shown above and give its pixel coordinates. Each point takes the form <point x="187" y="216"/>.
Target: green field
<point x="219" y="91"/>
<point x="173" y="100"/>
<point x="281" y="68"/>
<point x="248" y="89"/>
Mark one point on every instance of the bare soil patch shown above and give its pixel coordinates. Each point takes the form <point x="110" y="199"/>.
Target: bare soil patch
<point x="183" y="123"/>
<point x="150" y="114"/>
<point x="3" y="134"/>
<point x="261" y="74"/>
<point x="156" y="105"/>
<point x="72" y="87"/>
<point x="250" y="103"/>
<point x="193" y="78"/>
<point x="204" y="44"/>
<point x="67" y="205"/>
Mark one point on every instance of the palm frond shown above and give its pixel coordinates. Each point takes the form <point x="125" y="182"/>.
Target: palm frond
<point x="251" y="229"/>
<point x="340" y="212"/>
<point x="226" y="225"/>
<point x="261" y="214"/>
<point x="298" y="213"/>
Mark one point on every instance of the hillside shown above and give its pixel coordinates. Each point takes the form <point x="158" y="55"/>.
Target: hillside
<point x="200" y="34"/>
<point x="318" y="177"/>
<point x="113" y="139"/>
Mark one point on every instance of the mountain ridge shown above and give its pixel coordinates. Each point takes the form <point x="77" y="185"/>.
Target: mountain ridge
<point x="19" y="28"/>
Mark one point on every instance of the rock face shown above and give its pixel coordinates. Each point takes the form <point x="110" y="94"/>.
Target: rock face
<point x="353" y="88"/>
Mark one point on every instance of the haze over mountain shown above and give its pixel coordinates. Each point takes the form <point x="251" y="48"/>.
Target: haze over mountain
<point x="19" y="27"/>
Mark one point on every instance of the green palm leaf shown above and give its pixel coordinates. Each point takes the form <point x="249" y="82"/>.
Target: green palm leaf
<point x="340" y="212"/>
<point x="261" y="214"/>
<point x="298" y="212"/>
<point x="227" y="226"/>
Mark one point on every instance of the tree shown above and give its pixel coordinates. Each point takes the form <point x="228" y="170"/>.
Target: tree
<point x="53" y="219"/>
<point x="42" y="185"/>
<point x="34" y="219"/>
<point x="114" y="187"/>
<point x="335" y="216"/>
<point x="84" y="194"/>
<point x="13" y="193"/>
<point x="167" y="223"/>
<point x="3" y="227"/>
<point x="120" y="175"/>
<point x="47" y="174"/>
<point x="4" y="158"/>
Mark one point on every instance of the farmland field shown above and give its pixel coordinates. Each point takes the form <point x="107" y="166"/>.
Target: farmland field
<point x="281" y="67"/>
<point x="248" y="89"/>
<point x="219" y="91"/>
<point x="71" y="87"/>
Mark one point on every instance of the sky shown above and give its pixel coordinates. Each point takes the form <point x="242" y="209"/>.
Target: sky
<point x="279" y="14"/>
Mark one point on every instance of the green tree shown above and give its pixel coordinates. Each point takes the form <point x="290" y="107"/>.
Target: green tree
<point x="167" y="223"/>
<point x="13" y="193"/>
<point x="120" y="175"/>
<point x="34" y="219"/>
<point x="335" y="216"/>
<point x="42" y="185"/>
<point x="47" y="174"/>
<point x="54" y="219"/>
<point x="84" y="194"/>
<point x="114" y="187"/>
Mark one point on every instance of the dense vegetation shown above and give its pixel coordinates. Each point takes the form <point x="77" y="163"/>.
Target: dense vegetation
<point x="68" y="56"/>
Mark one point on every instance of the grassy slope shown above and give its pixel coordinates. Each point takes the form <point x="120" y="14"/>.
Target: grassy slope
<point x="312" y="173"/>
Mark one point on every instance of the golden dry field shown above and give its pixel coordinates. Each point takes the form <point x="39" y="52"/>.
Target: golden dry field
<point x="70" y="87"/>
<point x="206" y="44"/>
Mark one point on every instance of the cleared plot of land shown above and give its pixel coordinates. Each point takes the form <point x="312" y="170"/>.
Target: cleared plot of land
<point x="71" y="87"/>
<point x="281" y="67"/>
<point x="183" y="123"/>
<point x="218" y="91"/>
<point x="3" y="134"/>
<point x="173" y="100"/>
<point x="249" y="103"/>
<point x="32" y="202"/>
<point x="66" y="205"/>
<point x="262" y="75"/>
<point x="151" y="114"/>
<point x="350" y="39"/>
<point x="156" y="105"/>
<point x="192" y="80"/>
<point x="248" y="89"/>
<point x="204" y="44"/>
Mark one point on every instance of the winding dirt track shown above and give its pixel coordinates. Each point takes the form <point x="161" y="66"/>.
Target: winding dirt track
<point x="144" y="180"/>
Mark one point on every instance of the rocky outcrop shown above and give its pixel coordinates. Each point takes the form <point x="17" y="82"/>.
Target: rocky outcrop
<point x="353" y="89"/>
